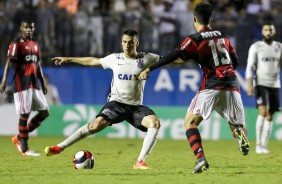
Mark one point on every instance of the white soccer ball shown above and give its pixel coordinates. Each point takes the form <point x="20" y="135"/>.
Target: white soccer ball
<point x="83" y="160"/>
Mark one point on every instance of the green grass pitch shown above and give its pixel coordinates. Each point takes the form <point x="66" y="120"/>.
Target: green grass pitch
<point x="171" y="161"/>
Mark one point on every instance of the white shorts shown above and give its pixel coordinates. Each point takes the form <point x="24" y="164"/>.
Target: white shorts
<point x="227" y="103"/>
<point x="30" y="100"/>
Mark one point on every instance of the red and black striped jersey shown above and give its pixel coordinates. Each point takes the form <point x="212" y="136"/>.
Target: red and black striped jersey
<point x="24" y="55"/>
<point x="215" y="55"/>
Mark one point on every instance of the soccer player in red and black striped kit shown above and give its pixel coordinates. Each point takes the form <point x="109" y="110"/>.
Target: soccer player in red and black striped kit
<point x="24" y="55"/>
<point x="219" y="89"/>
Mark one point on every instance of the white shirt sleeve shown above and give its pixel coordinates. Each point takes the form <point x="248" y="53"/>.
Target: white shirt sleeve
<point x="252" y="59"/>
<point x="153" y="58"/>
<point x="107" y="62"/>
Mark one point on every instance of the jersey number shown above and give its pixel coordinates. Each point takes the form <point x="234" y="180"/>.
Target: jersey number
<point x="219" y="59"/>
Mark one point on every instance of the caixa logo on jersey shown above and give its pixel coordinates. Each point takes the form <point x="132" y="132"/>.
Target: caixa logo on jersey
<point x="31" y="57"/>
<point x="127" y="77"/>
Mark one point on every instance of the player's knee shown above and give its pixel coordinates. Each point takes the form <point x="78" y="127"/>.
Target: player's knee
<point x="263" y="114"/>
<point x="47" y="114"/>
<point x="269" y="117"/>
<point x="153" y="123"/>
<point x="24" y="116"/>
<point x="157" y="124"/>
<point x="191" y="124"/>
<point x="97" y="125"/>
<point x="44" y="114"/>
<point x="94" y="126"/>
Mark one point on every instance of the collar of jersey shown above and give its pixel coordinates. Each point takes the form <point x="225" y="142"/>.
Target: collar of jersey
<point x="205" y="28"/>
<point x="21" y="37"/>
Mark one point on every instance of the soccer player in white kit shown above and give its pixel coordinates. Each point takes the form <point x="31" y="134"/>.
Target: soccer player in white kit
<point x="125" y="99"/>
<point x="263" y="72"/>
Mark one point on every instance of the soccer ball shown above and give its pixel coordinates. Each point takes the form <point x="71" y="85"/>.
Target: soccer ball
<point x="83" y="160"/>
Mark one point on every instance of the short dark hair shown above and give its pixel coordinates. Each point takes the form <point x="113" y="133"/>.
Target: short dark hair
<point x="203" y="13"/>
<point x="267" y="23"/>
<point x="27" y="20"/>
<point x="130" y="32"/>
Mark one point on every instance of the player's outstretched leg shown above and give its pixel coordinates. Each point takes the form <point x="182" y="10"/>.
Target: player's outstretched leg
<point x="240" y="134"/>
<point x="81" y="133"/>
<point x="52" y="150"/>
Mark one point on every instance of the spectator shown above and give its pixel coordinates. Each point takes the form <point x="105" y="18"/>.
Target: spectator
<point x="96" y="35"/>
<point x="149" y="28"/>
<point x="112" y="21"/>
<point x="168" y="28"/>
<point x="45" y="28"/>
<point x="81" y="21"/>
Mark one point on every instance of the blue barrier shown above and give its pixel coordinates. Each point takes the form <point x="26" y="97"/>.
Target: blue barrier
<point x="166" y="86"/>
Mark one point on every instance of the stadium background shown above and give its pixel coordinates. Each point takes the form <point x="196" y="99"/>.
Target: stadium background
<point x="93" y="27"/>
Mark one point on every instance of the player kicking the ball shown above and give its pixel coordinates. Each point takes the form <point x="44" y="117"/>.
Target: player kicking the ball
<point x="125" y="99"/>
<point x="219" y="89"/>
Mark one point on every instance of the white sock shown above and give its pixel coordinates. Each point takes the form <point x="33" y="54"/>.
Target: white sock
<point x="259" y="127"/>
<point x="148" y="143"/>
<point x="267" y="128"/>
<point x="79" y="134"/>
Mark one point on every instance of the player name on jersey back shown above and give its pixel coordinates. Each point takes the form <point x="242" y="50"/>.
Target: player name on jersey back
<point x="210" y="34"/>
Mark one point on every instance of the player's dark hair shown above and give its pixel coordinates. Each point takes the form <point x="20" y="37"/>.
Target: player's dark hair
<point x="27" y="20"/>
<point x="267" y="23"/>
<point x="203" y="13"/>
<point x="130" y="32"/>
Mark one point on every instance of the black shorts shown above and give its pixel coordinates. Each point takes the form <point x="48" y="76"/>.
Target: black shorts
<point x="268" y="97"/>
<point x="116" y="112"/>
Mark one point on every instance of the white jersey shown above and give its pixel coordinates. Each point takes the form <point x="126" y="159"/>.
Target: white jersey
<point x="265" y="59"/>
<point x="125" y="86"/>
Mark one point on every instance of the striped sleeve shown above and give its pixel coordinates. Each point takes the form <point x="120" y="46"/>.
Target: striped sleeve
<point x="12" y="51"/>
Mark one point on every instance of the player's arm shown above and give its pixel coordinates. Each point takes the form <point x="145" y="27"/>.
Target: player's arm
<point x="233" y="56"/>
<point x="87" y="61"/>
<point x="5" y="74"/>
<point x="249" y="70"/>
<point x="172" y="56"/>
<point x="41" y="78"/>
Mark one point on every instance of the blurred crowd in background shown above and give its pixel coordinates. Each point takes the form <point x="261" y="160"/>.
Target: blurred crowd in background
<point x="93" y="27"/>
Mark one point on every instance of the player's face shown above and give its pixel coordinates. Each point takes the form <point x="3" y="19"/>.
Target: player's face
<point x="27" y="29"/>
<point x="268" y="32"/>
<point x="129" y="44"/>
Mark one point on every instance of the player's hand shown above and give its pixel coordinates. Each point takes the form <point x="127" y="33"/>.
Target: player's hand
<point x="60" y="60"/>
<point x="2" y="87"/>
<point x="144" y="75"/>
